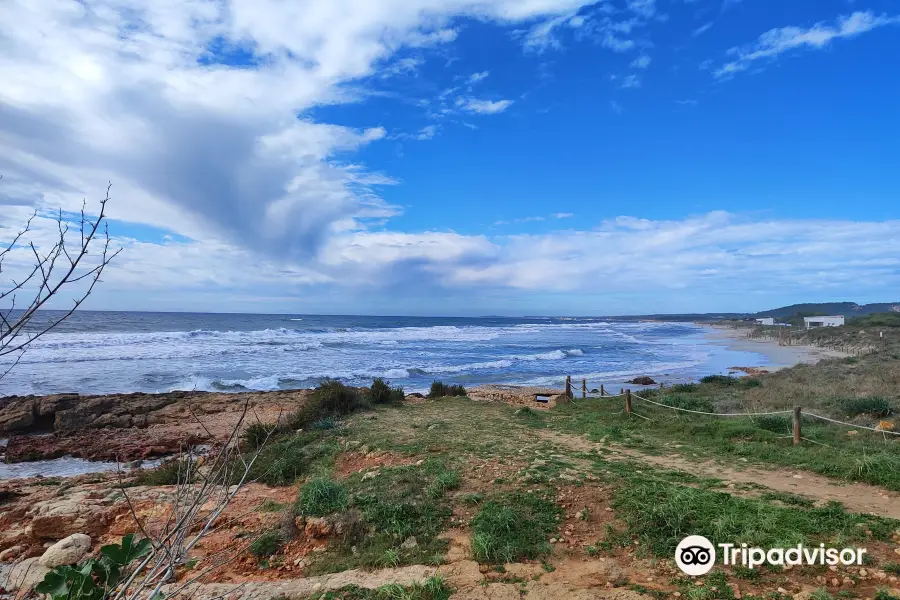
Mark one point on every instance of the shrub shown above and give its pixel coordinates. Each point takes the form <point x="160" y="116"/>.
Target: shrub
<point x="441" y="390"/>
<point x="256" y="434"/>
<point x="322" y="497"/>
<point x="892" y="568"/>
<point x="883" y="594"/>
<point x="688" y="402"/>
<point x="719" y="380"/>
<point x="171" y="472"/>
<point x="382" y="393"/>
<point x="324" y="424"/>
<point x="774" y="423"/>
<point x="750" y="383"/>
<point x="331" y="399"/>
<point x="873" y="406"/>
<point x="267" y="544"/>
<point x="281" y="462"/>
<point x="513" y="528"/>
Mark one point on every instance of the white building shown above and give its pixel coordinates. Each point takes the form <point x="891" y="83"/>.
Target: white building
<point x="766" y="321"/>
<point x="811" y="322"/>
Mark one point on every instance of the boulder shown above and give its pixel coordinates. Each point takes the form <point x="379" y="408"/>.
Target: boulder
<point x="66" y="551"/>
<point x="642" y="380"/>
<point x="26" y="575"/>
<point x="19" y="414"/>
<point x="77" y="512"/>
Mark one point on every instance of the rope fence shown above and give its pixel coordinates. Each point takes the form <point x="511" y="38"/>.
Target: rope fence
<point x="797" y="413"/>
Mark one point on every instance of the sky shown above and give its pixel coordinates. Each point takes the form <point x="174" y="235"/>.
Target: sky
<point x="460" y="157"/>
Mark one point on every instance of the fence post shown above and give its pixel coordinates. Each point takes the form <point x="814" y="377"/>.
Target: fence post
<point x="584" y="388"/>
<point x="602" y="391"/>
<point x="796" y="425"/>
<point x="628" y="402"/>
<point x="569" y="386"/>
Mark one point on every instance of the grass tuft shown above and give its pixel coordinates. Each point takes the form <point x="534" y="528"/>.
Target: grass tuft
<point x="513" y="527"/>
<point x="267" y="544"/>
<point x="441" y="390"/>
<point x="322" y="497"/>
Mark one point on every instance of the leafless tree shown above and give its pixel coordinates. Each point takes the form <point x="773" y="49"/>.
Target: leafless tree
<point x="54" y="271"/>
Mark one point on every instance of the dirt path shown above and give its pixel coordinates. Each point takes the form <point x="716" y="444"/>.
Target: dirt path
<point x="856" y="497"/>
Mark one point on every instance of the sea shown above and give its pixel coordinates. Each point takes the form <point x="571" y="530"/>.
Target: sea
<point x="115" y="352"/>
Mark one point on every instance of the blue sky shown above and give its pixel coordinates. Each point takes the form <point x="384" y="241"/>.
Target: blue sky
<point x="462" y="156"/>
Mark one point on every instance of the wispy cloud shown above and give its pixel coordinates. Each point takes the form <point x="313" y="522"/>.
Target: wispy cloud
<point x="631" y="81"/>
<point x="476" y="77"/>
<point x="615" y="106"/>
<point x="483" y="107"/>
<point x="702" y="29"/>
<point x="777" y="41"/>
<point x="641" y="62"/>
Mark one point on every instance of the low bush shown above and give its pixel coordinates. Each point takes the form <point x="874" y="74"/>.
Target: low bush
<point x="872" y="406"/>
<point x="322" y="497"/>
<point x="444" y="482"/>
<point x="513" y="527"/>
<point x="724" y="380"/>
<point x="688" y="402"/>
<point x="256" y="434"/>
<point x="442" y="390"/>
<point x="331" y="399"/>
<point x="774" y="423"/>
<point x="324" y="424"/>
<point x="266" y="544"/>
<point x="382" y="393"/>
<point x="171" y="472"/>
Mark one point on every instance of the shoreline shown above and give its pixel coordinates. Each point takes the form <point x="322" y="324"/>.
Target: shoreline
<point x="778" y="357"/>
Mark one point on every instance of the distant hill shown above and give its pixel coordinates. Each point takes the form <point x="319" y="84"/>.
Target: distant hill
<point x="848" y="309"/>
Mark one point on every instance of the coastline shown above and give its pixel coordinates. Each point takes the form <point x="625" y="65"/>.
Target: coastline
<point x="776" y="356"/>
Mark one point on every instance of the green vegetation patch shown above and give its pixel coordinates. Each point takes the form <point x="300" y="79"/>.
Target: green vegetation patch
<point x="266" y="544"/>
<point x="662" y="514"/>
<point x="514" y="527"/>
<point x="403" y="510"/>
<point x="321" y="497"/>
<point x="442" y="390"/>
<point x="286" y="458"/>
<point x="434" y="588"/>
<point x="873" y="407"/>
<point x="382" y="393"/>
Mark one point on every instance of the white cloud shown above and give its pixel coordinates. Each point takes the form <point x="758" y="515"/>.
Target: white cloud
<point x="631" y="81"/>
<point x="702" y="29"/>
<point x="139" y="93"/>
<point x="483" y="107"/>
<point x="427" y="132"/>
<point x="777" y="41"/>
<point x="563" y="215"/>
<point x="641" y="62"/>
<point x="476" y="77"/>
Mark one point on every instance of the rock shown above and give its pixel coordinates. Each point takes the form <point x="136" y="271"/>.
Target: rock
<point x="67" y="551"/>
<point x="18" y="414"/>
<point x="77" y="512"/>
<point x="11" y="553"/>
<point x="409" y="543"/>
<point x="642" y="380"/>
<point x="105" y="444"/>
<point x="26" y="574"/>
<point x="370" y="475"/>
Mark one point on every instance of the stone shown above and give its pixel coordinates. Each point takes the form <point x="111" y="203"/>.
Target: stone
<point x="642" y="380"/>
<point x="11" y="553"/>
<point x="66" y="551"/>
<point x="19" y="414"/>
<point x="26" y="574"/>
<point x="409" y="543"/>
<point x="77" y="512"/>
<point x="370" y="475"/>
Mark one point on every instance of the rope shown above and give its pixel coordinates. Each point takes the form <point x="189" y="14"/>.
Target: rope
<point x="699" y="412"/>
<point x="851" y="424"/>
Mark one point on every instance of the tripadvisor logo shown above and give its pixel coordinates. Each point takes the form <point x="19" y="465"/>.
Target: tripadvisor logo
<point x="695" y="555"/>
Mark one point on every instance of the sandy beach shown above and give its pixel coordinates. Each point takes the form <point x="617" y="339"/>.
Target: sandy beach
<point x="777" y="357"/>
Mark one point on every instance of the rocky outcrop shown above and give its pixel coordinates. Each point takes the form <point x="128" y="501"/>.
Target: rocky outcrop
<point x="76" y="512"/>
<point x="66" y="551"/>
<point x="518" y="395"/>
<point x="26" y="575"/>
<point x="642" y="380"/>
<point x="105" y="444"/>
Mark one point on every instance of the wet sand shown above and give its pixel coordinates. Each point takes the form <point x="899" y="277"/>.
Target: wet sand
<point x="778" y="357"/>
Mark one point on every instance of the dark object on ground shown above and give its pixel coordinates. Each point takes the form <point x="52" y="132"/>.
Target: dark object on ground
<point x="103" y="444"/>
<point x="441" y="390"/>
<point x="642" y="380"/>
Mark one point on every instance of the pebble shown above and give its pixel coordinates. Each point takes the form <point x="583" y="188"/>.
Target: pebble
<point x="863" y="573"/>
<point x="835" y="581"/>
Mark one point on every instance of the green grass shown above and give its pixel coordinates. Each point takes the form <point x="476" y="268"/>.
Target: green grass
<point x="661" y="514"/>
<point x="399" y="504"/>
<point x="884" y="594"/>
<point x="170" y="472"/>
<point x="270" y="506"/>
<point x="688" y="402"/>
<point x="321" y="497"/>
<point x="892" y="568"/>
<point x="513" y="527"/>
<point x="434" y="588"/>
<point x="874" y="407"/>
<point x="257" y="434"/>
<point x="787" y="498"/>
<point x="266" y="544"/>
<point x="286" y="458"/>
<point x="863" y="457"/>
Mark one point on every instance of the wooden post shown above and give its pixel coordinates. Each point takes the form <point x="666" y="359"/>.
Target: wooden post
<point x="628" y="402"/>
<point x="602" y="391"/>
<point x="796" y="425"/>
<point x="584" y="388"/>
<point x="568" y="386"/>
